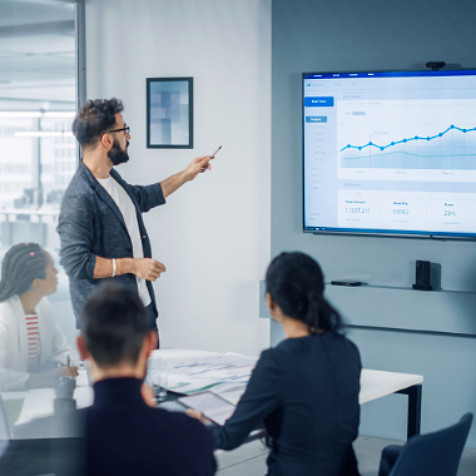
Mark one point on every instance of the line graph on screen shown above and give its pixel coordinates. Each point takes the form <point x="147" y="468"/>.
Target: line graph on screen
<point x="407" y="136"/>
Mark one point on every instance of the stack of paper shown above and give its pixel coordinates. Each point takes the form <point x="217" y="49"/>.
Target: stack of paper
<point x="190" y="371"/>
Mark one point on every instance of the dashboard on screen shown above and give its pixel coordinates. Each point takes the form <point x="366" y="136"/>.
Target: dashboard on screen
<point x="390" y="153"/>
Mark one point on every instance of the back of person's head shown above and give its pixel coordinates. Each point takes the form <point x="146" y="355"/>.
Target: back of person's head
<point x="295" y="283"/>
<point x="114" y="326"/>
<point x="22" y="264"/>
<point x="94" y="119"/>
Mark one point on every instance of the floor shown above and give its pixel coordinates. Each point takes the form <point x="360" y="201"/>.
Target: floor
<point x="250" y="459"/>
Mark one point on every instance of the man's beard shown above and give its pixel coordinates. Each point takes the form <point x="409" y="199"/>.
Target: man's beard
<point x="117" y="155"/>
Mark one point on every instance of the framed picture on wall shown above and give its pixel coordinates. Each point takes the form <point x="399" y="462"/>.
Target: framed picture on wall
<point x="170" y="113"/>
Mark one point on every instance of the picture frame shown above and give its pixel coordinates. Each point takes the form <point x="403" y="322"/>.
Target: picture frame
<point x="170" y="113"/>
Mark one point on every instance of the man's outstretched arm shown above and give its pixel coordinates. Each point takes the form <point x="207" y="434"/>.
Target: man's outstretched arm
<point x="197" y="166"/>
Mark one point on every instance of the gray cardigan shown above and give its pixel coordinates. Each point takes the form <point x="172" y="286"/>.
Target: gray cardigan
<point x="90" y="224"/>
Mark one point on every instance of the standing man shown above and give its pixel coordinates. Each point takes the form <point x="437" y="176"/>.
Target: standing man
<point x="100" y="224"/>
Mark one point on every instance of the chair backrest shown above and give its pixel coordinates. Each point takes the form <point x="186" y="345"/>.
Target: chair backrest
<point x="4" y="429"/>
<point x="435" y="453"/>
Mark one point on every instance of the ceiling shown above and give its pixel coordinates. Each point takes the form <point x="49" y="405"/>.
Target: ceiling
<point x="37" y="54"/>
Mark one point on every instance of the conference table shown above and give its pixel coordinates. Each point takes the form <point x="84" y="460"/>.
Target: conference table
<point x="191" y="371"/>
<point x="376" y="384"/>
<point x="234" y="371"/>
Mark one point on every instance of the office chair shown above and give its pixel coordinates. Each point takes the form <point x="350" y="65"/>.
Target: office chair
<point x="4" y="429"/>
<point x="433" y="454"/>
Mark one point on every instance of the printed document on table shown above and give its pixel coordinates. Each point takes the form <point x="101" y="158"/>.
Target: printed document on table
<point x="191" y="371"/>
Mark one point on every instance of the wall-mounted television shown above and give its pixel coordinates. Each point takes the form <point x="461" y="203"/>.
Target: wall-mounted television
<point x="390" y="153"/>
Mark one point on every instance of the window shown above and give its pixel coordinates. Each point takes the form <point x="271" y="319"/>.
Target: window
<point x="37" y="105"/>
<point x="41" y="53"/>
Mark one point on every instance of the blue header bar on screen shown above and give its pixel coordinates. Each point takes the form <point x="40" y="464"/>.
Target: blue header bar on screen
<point x="396" y="74"/>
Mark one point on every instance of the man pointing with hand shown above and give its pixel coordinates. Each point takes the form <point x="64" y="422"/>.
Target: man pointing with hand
<point x="100" y="224"/>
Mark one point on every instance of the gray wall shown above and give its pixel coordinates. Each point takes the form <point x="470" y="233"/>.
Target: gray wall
<point x="396" y="328"/>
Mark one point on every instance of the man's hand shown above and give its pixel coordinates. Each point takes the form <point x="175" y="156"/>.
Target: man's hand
<point x="197" y="166"/>
<point x="147" y="268"/>
<point x="198" y="415"/>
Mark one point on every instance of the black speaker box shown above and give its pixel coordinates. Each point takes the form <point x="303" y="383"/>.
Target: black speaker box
<point x="423" y="276"/>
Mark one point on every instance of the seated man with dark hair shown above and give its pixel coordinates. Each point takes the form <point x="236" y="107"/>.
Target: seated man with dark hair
<point x="124" y="434"/>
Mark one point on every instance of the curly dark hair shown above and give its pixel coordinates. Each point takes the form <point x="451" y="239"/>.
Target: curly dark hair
<point x="296" y="284"/>
<point x="23" y="263"/>
<point x="94" y="119"/>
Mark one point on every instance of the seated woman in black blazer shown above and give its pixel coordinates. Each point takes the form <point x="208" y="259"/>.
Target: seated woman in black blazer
<point x="306" y="389"/>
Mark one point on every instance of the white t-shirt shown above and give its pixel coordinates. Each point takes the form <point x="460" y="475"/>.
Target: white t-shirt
<point x="125" y="205"/>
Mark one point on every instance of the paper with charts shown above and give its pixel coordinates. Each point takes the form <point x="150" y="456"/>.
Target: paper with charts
<point x="192" y="371"/>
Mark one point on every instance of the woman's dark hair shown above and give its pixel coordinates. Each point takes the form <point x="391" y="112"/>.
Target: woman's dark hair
<point x="22" y="264"/>
<point x="114" y="325"/>
<point x="94" y="119"/>
<point x="296" y="284"/>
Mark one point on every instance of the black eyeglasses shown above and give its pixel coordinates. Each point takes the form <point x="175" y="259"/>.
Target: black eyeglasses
<point x="123" y="129"/>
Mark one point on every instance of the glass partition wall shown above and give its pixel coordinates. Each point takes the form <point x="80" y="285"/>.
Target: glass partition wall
<point x="39" y="56"/>
<point x="39" y="88"/>
<point x="38" y="154"/>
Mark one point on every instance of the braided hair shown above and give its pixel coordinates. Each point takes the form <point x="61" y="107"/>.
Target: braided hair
<point x="22" y="264"/>
<point x="296" y="284"/>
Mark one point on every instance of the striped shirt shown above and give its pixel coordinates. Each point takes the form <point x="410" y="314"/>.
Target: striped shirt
<point x="34" y="341"/>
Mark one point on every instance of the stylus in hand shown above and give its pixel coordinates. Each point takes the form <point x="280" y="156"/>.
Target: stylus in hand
<point x="216" y="152"/>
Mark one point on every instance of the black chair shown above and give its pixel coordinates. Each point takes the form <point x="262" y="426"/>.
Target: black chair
<point x="433" y="454"/>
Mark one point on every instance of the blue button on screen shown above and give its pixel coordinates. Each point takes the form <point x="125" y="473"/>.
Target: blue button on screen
<point x="316" y="119"/>
<point x="321" y="101"/>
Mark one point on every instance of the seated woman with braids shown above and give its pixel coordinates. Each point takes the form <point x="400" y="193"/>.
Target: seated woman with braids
<point x="31" y="345"/>
<point x="306" y="389"/>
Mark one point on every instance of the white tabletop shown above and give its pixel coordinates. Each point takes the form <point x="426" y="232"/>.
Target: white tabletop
<point x="39" y="402"/>
<point x="374" y="383"/>
<point x="379" y="383"/>
<point x="194" y="366"/>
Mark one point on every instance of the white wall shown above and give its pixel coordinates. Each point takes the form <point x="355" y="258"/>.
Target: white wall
<point x="214" y="233"/>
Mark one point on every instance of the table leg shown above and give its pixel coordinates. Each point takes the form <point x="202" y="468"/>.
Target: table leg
<point x="414" y="409"/>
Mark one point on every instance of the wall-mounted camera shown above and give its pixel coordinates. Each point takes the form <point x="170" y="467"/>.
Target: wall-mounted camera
<point x="435" y="65"/>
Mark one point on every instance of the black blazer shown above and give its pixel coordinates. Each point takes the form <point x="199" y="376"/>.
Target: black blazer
<point x="306" y="391"/>
<point x="90" y="224"/>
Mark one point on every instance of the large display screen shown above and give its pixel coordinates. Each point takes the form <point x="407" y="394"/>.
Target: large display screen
<point x="390" y="153"/>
